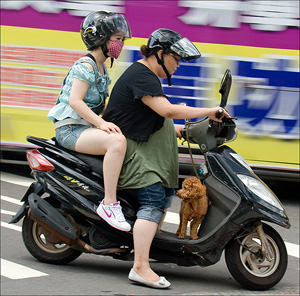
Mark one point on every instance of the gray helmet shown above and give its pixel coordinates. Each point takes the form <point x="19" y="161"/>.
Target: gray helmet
<point x="172" y="42"/>
<point x="98" y="26"/>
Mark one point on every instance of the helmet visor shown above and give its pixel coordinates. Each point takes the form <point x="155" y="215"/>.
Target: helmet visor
<point x="186" y="50"/>
<point x="117" y="23"/>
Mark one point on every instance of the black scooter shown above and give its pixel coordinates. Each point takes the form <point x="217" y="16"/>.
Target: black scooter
<point x="60" y="220"/>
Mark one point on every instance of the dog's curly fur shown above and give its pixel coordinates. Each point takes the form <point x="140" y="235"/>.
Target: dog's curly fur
<point x="194" y="206"/>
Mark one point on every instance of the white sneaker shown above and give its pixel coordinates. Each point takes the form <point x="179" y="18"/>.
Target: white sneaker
<point x="113" y="215"/>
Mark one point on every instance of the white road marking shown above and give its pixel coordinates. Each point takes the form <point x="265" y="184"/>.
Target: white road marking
<point x="4" y="212"/>
<point x="11" y="226"/>
<point x="11" y="200"/>
<point x="292" y="249"/>
<point x="15" y="179"/>
<point x="172" y="218"/>
<point x="16" y="271"/>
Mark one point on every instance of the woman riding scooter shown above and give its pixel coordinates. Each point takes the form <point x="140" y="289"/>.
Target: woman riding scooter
<point x="144" y="114"/>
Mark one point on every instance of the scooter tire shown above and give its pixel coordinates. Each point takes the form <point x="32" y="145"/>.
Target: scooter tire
<point x="256" y="272"/>
<point x="44" y="246"/>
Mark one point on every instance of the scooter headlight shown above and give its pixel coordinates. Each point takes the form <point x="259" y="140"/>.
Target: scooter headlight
<point x="259" y="189"/>
<point x="241" y="160"/>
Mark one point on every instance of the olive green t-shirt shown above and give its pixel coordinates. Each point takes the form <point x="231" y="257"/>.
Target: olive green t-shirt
<point x="156" y="160"/>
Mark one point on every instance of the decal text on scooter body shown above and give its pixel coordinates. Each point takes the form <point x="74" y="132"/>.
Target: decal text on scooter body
<point x="80" y="184"/>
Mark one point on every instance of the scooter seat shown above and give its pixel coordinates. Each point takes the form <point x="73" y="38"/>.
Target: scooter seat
<point x="95" y="162"/>
<point x="82" y="161"/>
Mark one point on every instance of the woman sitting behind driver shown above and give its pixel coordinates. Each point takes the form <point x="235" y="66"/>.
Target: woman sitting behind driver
<point x="76" y="113"/>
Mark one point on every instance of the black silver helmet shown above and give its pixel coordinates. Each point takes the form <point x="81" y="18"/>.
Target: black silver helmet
<point x="98" y="26"/>
<point x="170" y="41"/>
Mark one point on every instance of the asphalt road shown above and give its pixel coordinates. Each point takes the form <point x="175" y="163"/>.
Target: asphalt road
<point x="21" y="274"/>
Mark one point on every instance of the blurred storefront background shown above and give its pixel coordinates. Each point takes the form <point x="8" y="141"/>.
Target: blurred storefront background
<point x="257" y="40"/>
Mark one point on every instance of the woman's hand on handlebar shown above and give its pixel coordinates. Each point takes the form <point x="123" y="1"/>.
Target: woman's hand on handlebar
<point x="178" y="130"/>
<point x="216" y="112"/>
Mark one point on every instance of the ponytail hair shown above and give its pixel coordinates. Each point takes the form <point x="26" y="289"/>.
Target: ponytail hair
<point x="147" y="52"/>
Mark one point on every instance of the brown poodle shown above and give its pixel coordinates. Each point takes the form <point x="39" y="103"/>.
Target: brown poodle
<point x="194" y="206"/>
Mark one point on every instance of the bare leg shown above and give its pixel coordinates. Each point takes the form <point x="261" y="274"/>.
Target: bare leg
<point x="112" y="164"/>
<point x="143" y="234"/>
<point x="113" y="147"/>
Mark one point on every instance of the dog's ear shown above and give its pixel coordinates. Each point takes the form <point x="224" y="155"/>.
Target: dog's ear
<point x="202" y="190"/>
<point x="194" y="190"/>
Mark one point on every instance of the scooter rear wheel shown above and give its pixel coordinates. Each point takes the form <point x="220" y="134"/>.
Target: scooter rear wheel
<point x="44" y="246"/>
<point x="248" y="265"/>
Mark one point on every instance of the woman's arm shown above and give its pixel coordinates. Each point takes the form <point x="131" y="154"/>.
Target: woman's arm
<point x="78" y="92"/>
<point x="164" y="108"/>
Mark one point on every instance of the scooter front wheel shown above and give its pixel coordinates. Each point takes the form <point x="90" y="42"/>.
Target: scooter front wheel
<point x="44" y="246"/>
<point x="247" y="263"/>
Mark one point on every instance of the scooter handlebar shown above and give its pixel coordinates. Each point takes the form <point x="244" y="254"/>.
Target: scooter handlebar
<point x="219" y="113"/>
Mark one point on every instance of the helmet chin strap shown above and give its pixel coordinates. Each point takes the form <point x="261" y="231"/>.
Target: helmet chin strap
<point x="161" y="62"/>
<point x="105" y="52"/>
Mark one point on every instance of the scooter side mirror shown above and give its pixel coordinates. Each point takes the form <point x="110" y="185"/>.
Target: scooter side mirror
<point x="225" y="87"/>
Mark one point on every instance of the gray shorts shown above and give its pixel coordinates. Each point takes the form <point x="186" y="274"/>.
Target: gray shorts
<point x="67" y="135"/>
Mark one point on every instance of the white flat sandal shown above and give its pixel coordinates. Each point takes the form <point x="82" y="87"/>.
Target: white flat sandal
<point x="161" y="284"/>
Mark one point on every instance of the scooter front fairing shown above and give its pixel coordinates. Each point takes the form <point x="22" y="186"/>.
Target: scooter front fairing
<point x="234" y="173"/>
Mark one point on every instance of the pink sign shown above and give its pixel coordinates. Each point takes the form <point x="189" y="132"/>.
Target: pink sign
<point x="247" y="23"/>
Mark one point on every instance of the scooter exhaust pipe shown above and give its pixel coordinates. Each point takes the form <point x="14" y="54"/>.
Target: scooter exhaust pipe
<point x="77" y="241"/>
<point x="101" y="251"/>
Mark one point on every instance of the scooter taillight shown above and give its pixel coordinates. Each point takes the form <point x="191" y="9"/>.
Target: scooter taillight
<point x="38" y="162"/>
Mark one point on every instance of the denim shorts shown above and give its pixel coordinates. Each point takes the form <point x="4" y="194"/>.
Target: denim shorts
<point x="154" y="199"/>
<point x="67" y="135"/>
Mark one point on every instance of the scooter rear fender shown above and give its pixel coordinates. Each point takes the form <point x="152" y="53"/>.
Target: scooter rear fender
<point x="33" y="188"/>
<point x="20" y="214"/>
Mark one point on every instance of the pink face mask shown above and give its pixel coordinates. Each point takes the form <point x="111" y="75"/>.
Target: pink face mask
<point x="115" y="48"/>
